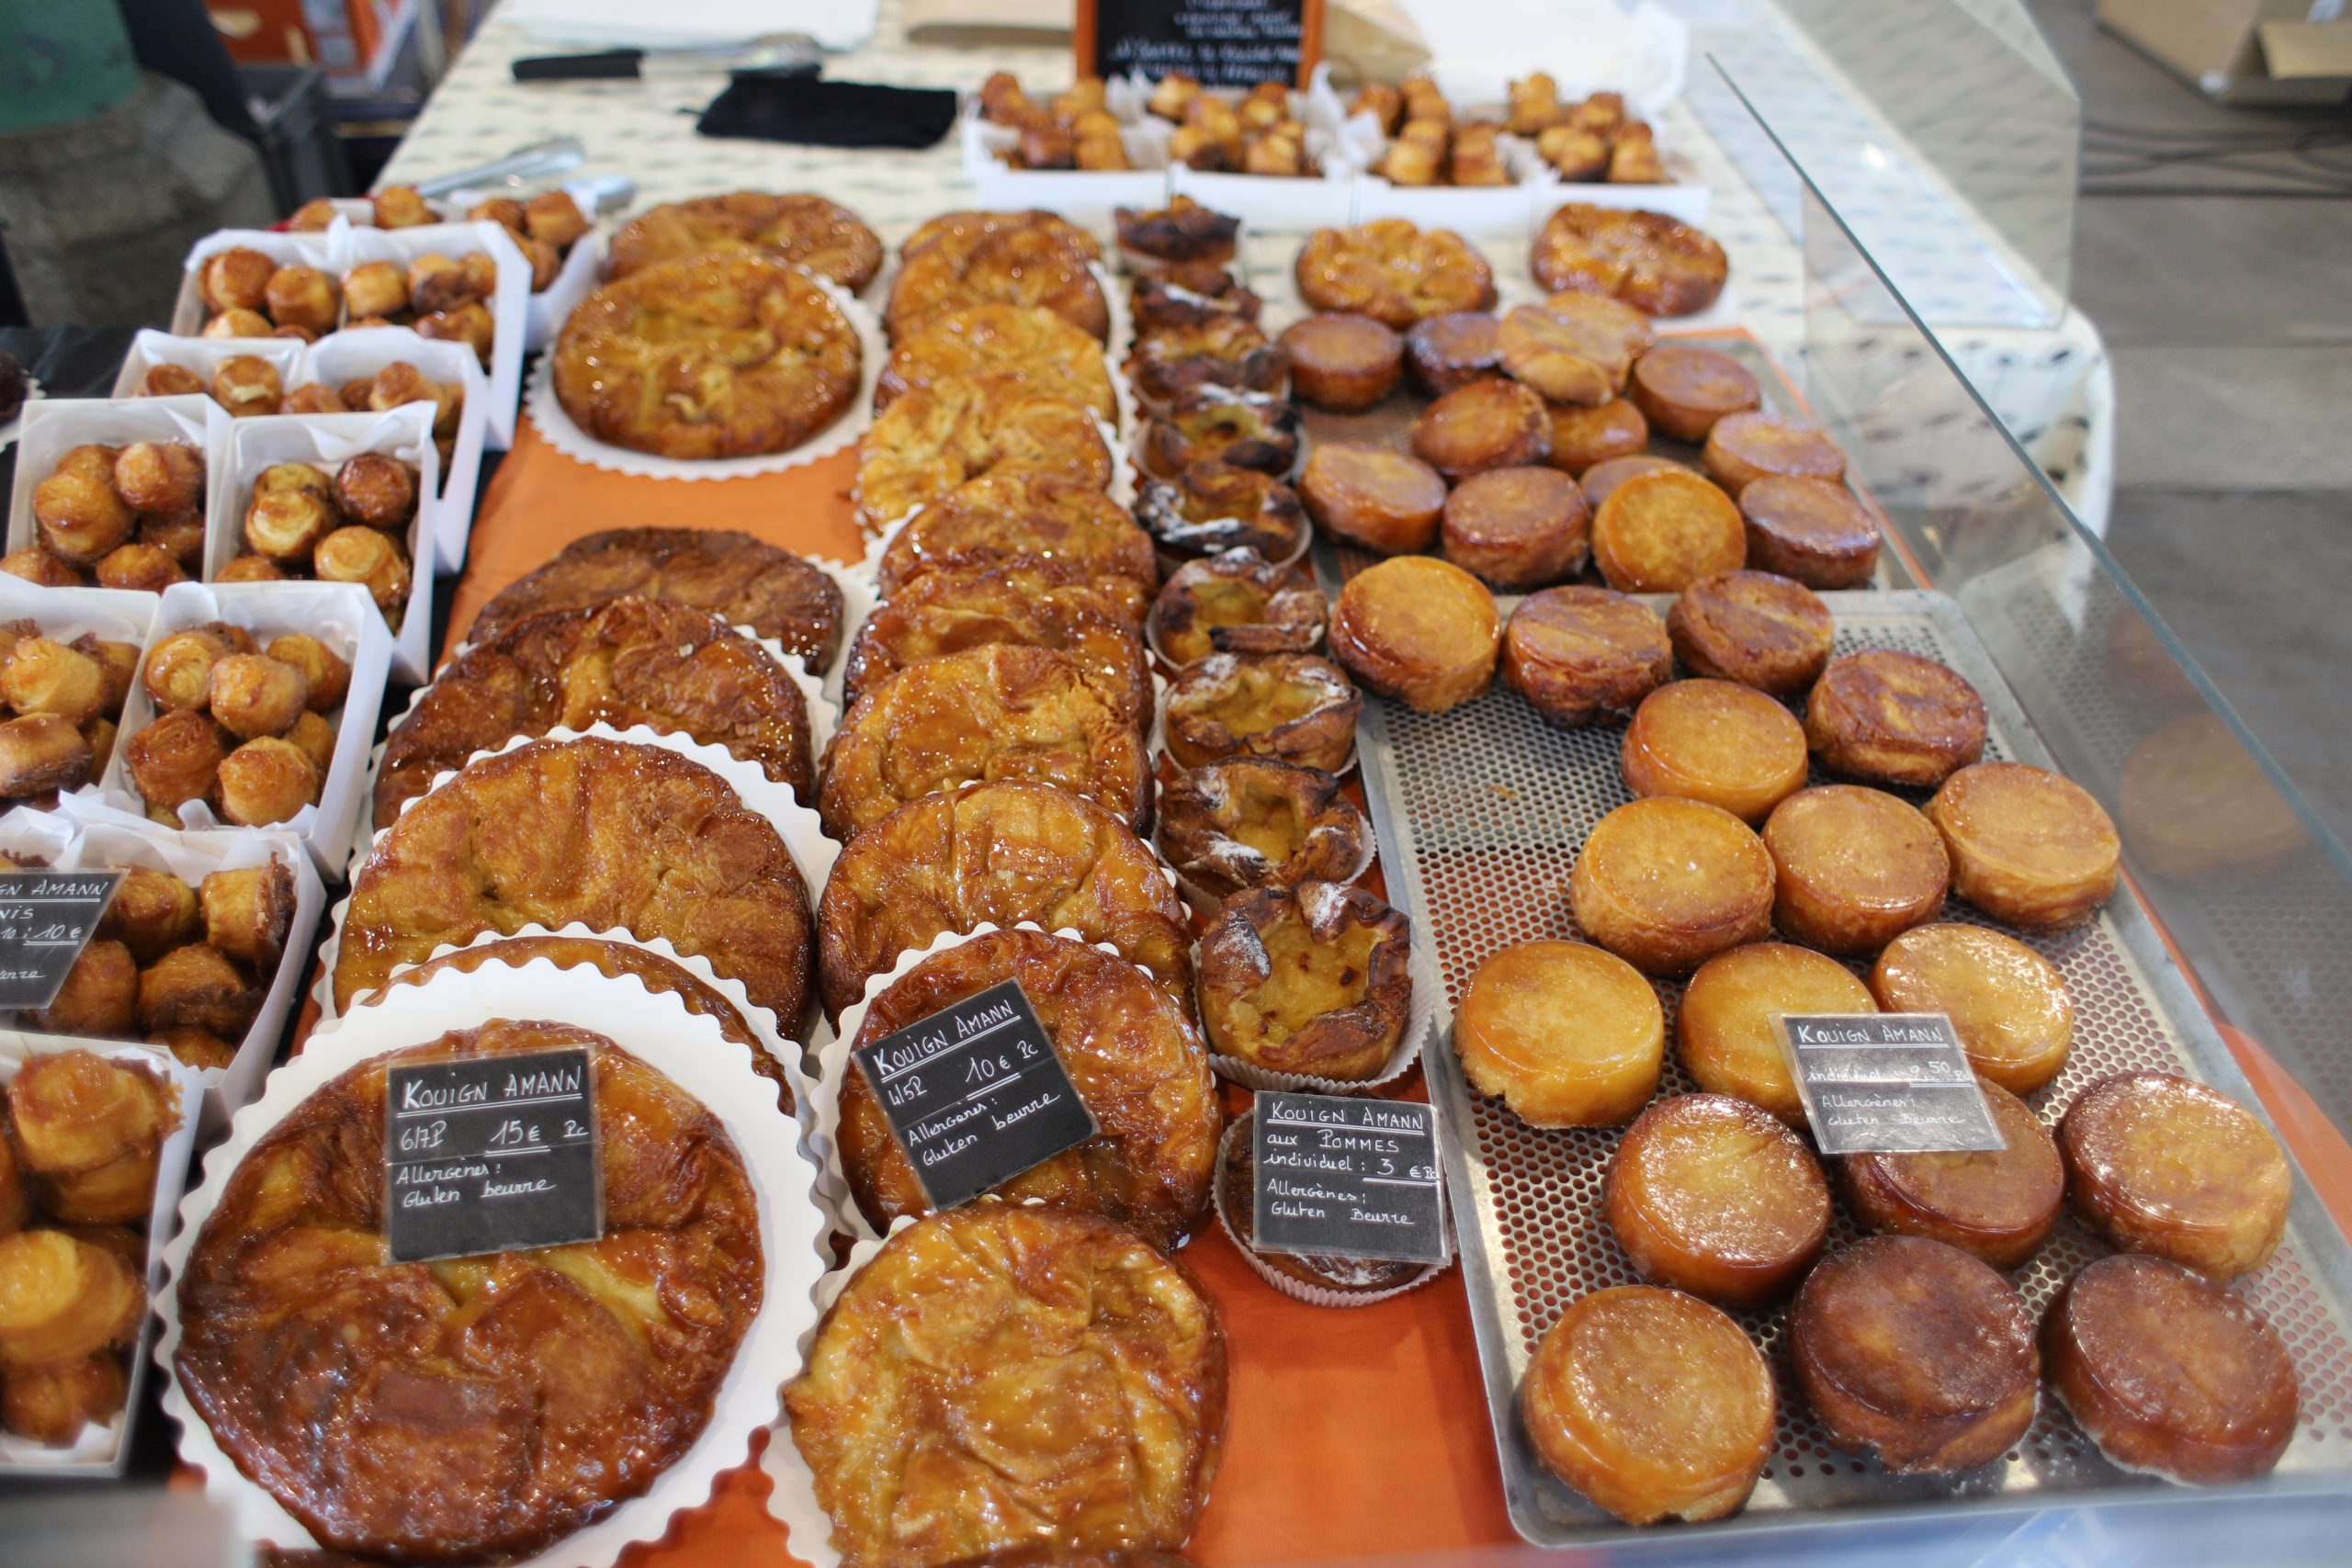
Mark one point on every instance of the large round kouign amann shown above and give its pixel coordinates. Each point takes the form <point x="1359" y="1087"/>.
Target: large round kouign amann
<point x="1656" y="265"/>
<point x="707" y="358"/>
<point x="1030" y="266"/>
<point x="613" y="835"/>
<point x="674" y="668"/>
<point x="1137" y="1063"/>
<point x="1022" y="343"/>
<point x="1022" y="517"/>
<point x="998" y="712"/>
<point x="935" y="438"/>
<point x="1394" y="272"/>
<point x="1003" y="1376"/>
<point x="823" y="236"/>
<point x="949" y="611"/>
<point x="483" y="1407"/>
<point x="742" y="581"/>
<point x="1002" y="852"/>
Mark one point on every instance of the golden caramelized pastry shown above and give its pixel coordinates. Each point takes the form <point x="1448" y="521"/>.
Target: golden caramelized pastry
<point x="470" y="324"/>
<point x="1916" y="1350"/>
<point x="1710" y="1195"/>
<point x="285" y="526"/>
<point x="503" y="1400"/>
<point x="179" y="535"/>
<point x="2156" y="1163"/>
<point x="370" y="559"/>
<point x="1246" y="822"/>
<point x="34" y="563"/>
<point x="326" y="675"/>
<point x="1994" y="1205"/>
<point x="248" y="386"/>
<point x="1247" y="430"/>
<point x="81" y="518"/>
<point x="944" y="1414"/>
<point x="1190" y="295"/>
<point x="2170" y="1374"/>
<point x="925" y="445"/>
<point x="1453" y="350"/>
<point x="964" y="228"/>
<point x="1753" y="627"/>
<point x="160" y="476"/>
<point x="43" y="675"/>
<point x="62" y="1299"/>
<point x="1213" y="507"/>
<point x="40" y="752"/>
<point x="1017" y="345"/>
<point x="1727" y="1028"/>
<point x="252" y="694"/>
<point x="377" y="288"/>
<point x="673" y="852"/>
<point x="1032" y="519"/>
<point x="1567" y="359"/>
<point x="153" y="912"/>
<point x="1517" y="527"/>
<point x="828" y="239"/>
<point x="1221" y="351"/>
<point x="302" y="297"/>
<point x="1313" y="979"/>
<point x="315" y="739"/>
<point x="978" y="265"/>
<point x="1291" y="706"/>
<point x="1236" y="602"/>
<point x="1342" y="362"/>
<point x="198" y="988"/>
<point x="1392" y="272"/>
<point x="15" y="1203"/>
<point x="1421" y="630"/>
<point x="552" y="217"/>
<point x="99" y="998"/>
<point x="742" y="581"/>
<point x="2199" y="807"/>
<point x="86" y="1130"/>
<point x="2028" y="847"/>
<point x="247" y="912"/>
<point x="175" y="758"/>
<point x="235" y="279"/>
<point x="1585" y="438"/>
<point x="1886" y="716"/>
<point x="664" y="976"/>
<point x="197" y="1048"/>
<point x="994" y="713"/>
<point x="671" y="667"/>
<point x="1490" y="423"/>
<point x="1002" y="853"/>
<point x="1857" y="868"/>
<point x="376" y="489"/>
<point x="707" y="358"/>
<point x="175" y="381"/>
<point x="2011" y="1009"/>
<point x="1659" y="266"/>
<point x="1651" y="1403"/>
<point x="1718" y="743"/>
<point x="1183" y="230"/>
<point x="401" y="207"/>
<point x="50" y="1403"/>
<point x="1746" y="447"/>
<point x="1568" y="1036"/>
<point x="1137" y="1062"/>
<point x="1683" y="388"/>
<point x="1660" y="531"/>
<point x="1668" y="883"/>
<point x="139" y="569"/>
<point x="1382" y="500"/>
<point x="1580" y="654"/>
<point x="239" y="323"/>
<point x="950" y="612"/>
<point x="177" y="672"/>
<point x="265" y="781"/>
<point x="1238" y="1205"/>
<point x="250" y="569"/>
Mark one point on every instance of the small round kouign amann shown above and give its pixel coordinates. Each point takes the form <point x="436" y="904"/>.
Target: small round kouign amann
<point x="1581" y="654"/>
<point x="1383" y="500"/>
<point x="1342" y="362"/>
<point x="1682" y="389"/>
<point x="1750" y="445"/>
<point x="1710" y="1195"/>
<point x="1857" y="868"/>
<point x="1453" y="350"/>
<point x="1313" y="979"/>
<point x="1666" y="884"/>
<point x="1810" y="531"/>
<point x="1753" y="628"/>
<point x="1727" y="1028"/>
<point x="1418" y="629"/>
<point x="2028" y="847"/>
<point x="2159" y="1164"/>
<point x="1490" y="423"/>
<point x="1662" y="531"/>
<point x="1994" y="1205"/>
<point x="1517" y="528"/>
<point x="1885" y="716"/>
<point x="2007" y="1004"/>
<point x="1567" y="1034"/>
<point x="1711" y="740"/>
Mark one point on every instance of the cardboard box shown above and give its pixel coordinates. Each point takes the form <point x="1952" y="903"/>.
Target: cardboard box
<point x="2244" y="51"/>
<point x="354" y="41"/>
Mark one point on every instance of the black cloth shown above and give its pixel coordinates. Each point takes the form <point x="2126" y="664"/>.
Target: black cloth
<point x="775" y="107"/>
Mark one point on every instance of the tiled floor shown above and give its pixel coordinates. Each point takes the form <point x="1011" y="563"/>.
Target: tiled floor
<point x="2230" y="320"/>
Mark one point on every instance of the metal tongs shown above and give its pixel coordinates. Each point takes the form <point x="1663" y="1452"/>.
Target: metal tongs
<point x="538" y="164"/>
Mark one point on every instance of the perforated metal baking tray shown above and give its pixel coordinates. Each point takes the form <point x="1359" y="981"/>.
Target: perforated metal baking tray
<point x="1480" y="812"/>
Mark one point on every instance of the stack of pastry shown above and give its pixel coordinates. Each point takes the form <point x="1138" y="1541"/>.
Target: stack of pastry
<point x="128" y="517"/>
<point x="356" y="524"/>
<point x="64" y="702"/>
<point x="80" y="1134"/>
<point x="247" y="729"/>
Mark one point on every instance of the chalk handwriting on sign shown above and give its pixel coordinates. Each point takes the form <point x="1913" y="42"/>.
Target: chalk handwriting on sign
<point x="1221" y="43"/>
<point x="491" y="1154"/>
<point x="975" y="1094"/>
<point x="1886" y="1083"/>
<point x="1348" y="1178"/>
<point x="46" y="919"/>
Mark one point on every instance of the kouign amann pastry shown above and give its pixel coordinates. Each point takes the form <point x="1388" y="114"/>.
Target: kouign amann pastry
<point x="1314" y="979"/>
<point x="823" y="236"/>
<point x="929" y="442"/>
<point x="1033" y="520"/>
<point x="1567" y="1034"/>
<point x="2160" y="1164"/>
<point x="948" y="612"/>
<point x="1394" y="272"/>
<point x="1021" y="345"/>
<point x="1256" y="822"/>
<point x="1580" y="654"/>
<point x="1236" y="602"/>
<point x="1656" y="263"/>
<point x="1032" y="265"/>
<point x="1418" y="629"/>
<point x="1291" y="705"/>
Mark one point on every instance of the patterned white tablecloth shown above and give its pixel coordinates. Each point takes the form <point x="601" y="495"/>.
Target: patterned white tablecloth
<point x="2049" y="387"/>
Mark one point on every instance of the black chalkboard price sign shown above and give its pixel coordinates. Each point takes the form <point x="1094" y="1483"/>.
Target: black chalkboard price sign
<point x="491" y="1154"/>
<point x="1348" y="1178"/>
<point x="1221" y="43"/>
<point x="46" y="919"/>
<point x="1886" y="1083"/>
<point x="975" y="1094"/>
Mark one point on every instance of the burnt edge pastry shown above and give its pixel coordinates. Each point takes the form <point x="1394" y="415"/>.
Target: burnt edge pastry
<point x="1215" y="825"/>
<point x="1214" y="506"/>
<point x="1287" y="609"/>
<point x="1328" y="1009"/>
<point x="1230" y="703"/>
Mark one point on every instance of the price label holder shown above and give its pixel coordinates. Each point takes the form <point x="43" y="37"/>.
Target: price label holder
<point x="1220" y="43"/>
<point x="46" y="919"/>
<point x="975" y="1094"/>
<point x="1886" y="1083"/>
<point x="1347" y="1178"/>
<point x="491" y="1154"/>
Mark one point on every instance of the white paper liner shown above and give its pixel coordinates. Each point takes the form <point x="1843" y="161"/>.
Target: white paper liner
<point x="832" y="1047"/>
<point x="761" y="1022"/>
<point x="56" y="425"/>
<point x="859" y="599"/>
<point x="575" y="281"/>
<point x="111" y="614"/>
<point x="797" y="825"/>
<point x="10" y="429"/>
<point x="565" y="435"/>
<point x="792" y="1496"/>
<point x="659" y="1031"/>
<point x="329" y="440"/>
<point x="100" y="1451"/>
<point x="1296" y="1289"/>
<point x="363" y="351"/>
<point x="339" y="614"/>
<point x="105" y="836"/>
<point x="1420" y="1019"/>
<point x="150" y="348"/>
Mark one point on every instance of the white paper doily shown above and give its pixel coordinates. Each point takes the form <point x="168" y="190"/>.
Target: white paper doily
<point x="8" y="432"/>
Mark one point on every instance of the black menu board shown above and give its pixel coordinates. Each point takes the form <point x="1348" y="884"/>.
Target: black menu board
<point x="1222" y="43"/>
<point x="46" y="919"/>
<point x="491" y="1154"/>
